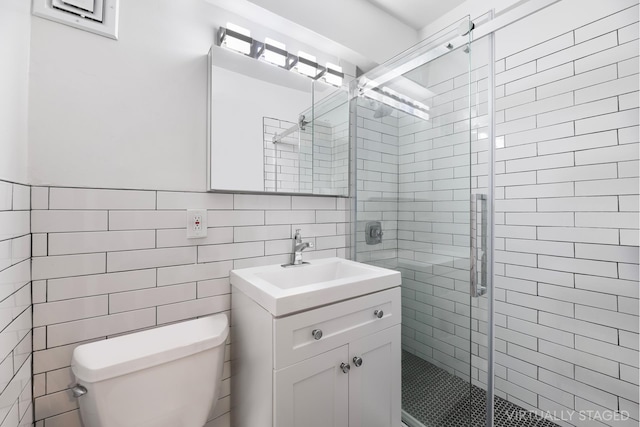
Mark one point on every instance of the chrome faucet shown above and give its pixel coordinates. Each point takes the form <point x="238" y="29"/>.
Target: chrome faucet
<point x="298" y="247"/>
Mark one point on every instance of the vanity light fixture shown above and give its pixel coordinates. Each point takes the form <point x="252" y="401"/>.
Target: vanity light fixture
<point x="239" y="39"/>
<point x="308" y="66"/>
<point x="236" y="38"/>
<point x="334" y="74"/>
<point x="275" y="52"/>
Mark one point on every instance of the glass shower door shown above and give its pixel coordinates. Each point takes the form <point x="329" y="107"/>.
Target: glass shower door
<point x="420" y="131"/>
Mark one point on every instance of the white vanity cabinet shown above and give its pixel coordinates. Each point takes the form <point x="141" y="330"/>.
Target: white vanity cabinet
<point x="333" y="366"/>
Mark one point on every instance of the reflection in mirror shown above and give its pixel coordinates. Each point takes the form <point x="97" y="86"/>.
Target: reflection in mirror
<point x="274" y="130"/>
<point x="331" y="142"/>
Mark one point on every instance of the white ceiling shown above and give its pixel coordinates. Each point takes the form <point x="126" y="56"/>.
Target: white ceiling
<point x="416" y="13"/>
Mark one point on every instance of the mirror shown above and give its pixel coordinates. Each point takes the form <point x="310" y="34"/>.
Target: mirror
<point x="274" y="130"/>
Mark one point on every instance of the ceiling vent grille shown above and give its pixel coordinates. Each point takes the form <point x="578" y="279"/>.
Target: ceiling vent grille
<point x="96" y="16"/>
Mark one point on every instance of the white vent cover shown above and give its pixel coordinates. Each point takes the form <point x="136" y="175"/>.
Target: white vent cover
<point x="97" y="16"/>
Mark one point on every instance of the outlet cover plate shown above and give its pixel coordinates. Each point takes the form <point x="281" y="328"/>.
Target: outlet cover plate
<point x="196" y="223"/>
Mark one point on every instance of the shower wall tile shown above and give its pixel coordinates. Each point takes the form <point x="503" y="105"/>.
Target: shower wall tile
<point x="110" y="262"/>
<point x="579" y="50"/>
<point x="628" y="33"/>
<point x="516" y="73"/>
<point x="629" y="340"/>
<point x="536" y="107"/>
<point x="610" y="56"/>
<point x="608" y="154"/>
<point x="579" y="327"/>
<point x="628" y="67"/>
<point x="538" y="51"/>
<point x="579" y="81"/>
<point x="539" y="79"/>
<point x="578" y="112"/>
<point x="550" y="133"/>
<point x="608" y="121"/>
<point x="607" y="24"/>
<point x="15" y="304"/>
<point x="582" y="286"/>
<point x="379" y="150"/>
<point x="616" y="87"/>
<point x="579" y="358"/>
<point x="592" y="394"/>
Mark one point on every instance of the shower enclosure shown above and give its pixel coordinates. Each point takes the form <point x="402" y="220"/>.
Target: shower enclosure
<point x="424" y="205"/>
<point x="421" y="170"/>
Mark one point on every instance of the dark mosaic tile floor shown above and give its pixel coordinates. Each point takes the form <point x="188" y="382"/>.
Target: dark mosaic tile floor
<point x="438" y="399"/>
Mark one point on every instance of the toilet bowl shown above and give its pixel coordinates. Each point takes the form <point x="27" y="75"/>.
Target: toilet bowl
<point x="164" y="377"/>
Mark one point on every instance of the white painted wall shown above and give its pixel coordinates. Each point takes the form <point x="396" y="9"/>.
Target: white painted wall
<point x="129" y="113"/>
<point x="122" y="114"/>
<point x="15" y="23"/>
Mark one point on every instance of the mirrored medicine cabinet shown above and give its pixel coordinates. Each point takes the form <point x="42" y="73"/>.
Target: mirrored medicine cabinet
<point x="273" y="130"/>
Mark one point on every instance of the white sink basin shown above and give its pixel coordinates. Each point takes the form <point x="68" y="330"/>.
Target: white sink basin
<point x="282" y="291"/>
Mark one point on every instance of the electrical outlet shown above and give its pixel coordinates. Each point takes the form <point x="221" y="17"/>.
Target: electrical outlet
<point x="196" y="223"/>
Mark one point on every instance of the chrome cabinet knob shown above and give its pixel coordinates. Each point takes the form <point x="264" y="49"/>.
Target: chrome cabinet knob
<point x="345" y="367"/>
<point x="357" y="361"/>
<point x="317" y="334"/>
<point x="378" y="314"/>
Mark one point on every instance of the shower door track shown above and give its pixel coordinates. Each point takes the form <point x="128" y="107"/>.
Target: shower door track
<point x="409" y="421"/>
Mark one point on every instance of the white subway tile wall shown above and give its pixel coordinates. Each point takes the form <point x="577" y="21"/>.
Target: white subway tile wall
<point x="377" y="181"/>
<point x="570" y="232"/>
<point x="110" y="262"/>
<point x="16" y="407"/>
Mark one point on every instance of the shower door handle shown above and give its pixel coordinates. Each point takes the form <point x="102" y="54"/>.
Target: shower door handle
<point x="478" y="287"/>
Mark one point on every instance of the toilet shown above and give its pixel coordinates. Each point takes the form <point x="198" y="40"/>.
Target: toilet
<point x="164" y="377"/>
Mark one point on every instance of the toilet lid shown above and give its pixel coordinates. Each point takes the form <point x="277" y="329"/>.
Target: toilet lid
<point x="110" y="358"/>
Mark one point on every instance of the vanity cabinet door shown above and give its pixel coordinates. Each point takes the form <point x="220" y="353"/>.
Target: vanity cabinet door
<point x="374" y="385"/>
<point x="314" y="392"/>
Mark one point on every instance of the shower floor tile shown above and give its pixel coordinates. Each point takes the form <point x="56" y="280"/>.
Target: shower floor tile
<point x="437" y="398"/>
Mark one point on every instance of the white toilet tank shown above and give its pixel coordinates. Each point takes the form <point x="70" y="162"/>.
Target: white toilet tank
<point x="164" y="377"/>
